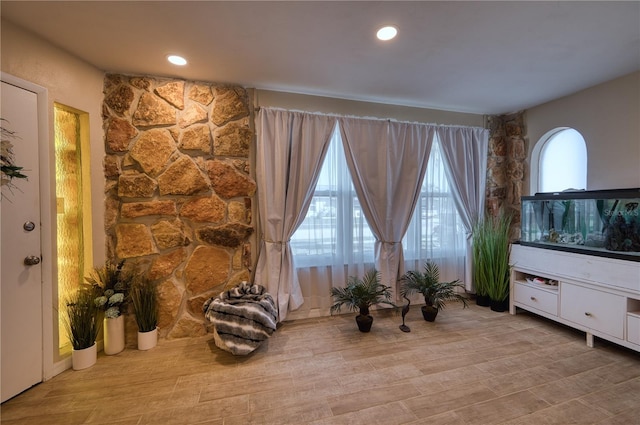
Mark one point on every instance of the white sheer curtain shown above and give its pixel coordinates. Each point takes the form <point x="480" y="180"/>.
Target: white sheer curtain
<point x="464" y="151"/>
<point x="334" y="241"/>
<point x="290" y="150"/>
<point x="436" y="231"/>
<point x="387" y="161"/>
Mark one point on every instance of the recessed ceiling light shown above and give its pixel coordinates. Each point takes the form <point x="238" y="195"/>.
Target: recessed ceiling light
<point x="387" y="33"/>
<point x="177" y="60"/>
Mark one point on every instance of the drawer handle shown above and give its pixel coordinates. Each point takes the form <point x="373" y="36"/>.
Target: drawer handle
<point x="533" y="299"/>
<point x="586" y="313"/>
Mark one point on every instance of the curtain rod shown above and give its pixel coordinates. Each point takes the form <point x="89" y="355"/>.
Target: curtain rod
<point x="258" y="108"/>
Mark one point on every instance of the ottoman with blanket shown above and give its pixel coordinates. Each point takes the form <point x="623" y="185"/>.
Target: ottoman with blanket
<point x="243" y="317"/>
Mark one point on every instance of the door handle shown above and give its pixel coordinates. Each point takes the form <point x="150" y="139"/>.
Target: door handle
<point x="31" y="260"/>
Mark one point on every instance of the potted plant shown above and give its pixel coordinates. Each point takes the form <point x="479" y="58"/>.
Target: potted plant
<point x="111" y="286"/>
<point x="8" y="168"/>
<point x="435" y="293"/>
<point x="360" y="295"/>
<point x="144" y="299"/>
<point x="82" y="324"/>
<point x="479" y="237"/>
<point x="491" y="249"/>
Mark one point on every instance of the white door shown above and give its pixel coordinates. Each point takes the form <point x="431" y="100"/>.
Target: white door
<point x="21" y="284"/>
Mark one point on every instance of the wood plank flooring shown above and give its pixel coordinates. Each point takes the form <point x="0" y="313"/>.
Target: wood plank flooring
<point x="472" y="366"/>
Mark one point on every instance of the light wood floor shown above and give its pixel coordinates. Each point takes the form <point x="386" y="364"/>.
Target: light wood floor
<point x="471" y="366"/>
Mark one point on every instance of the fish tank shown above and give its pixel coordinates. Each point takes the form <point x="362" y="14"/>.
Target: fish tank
<point x="605" y="223"/>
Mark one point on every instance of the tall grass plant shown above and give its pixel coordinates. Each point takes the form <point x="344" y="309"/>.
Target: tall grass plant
<point x="81" y="320"/>
<point x="491" y="251"/>
<point x="144" y="298"/>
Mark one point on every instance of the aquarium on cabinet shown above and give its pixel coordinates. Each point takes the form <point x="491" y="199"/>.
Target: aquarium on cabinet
<point x="603" y="222"/>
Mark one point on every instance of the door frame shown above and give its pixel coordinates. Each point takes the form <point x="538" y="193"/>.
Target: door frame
<point x="46" y="152"/>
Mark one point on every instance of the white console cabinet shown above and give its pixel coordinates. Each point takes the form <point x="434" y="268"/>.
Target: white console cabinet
<point x="597" y="295"/>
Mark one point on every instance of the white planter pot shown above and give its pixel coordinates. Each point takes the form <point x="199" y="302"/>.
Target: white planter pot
<point x="147" y="340"/>
<point x="82" y="359"/>
<point x="113" y="335"/>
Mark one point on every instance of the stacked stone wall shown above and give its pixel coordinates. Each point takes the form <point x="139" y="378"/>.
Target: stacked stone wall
<point x="506" y="166"/>
<point x="179" y="190"/>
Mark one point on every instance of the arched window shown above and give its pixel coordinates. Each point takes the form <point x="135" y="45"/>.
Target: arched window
<point x="561" y="158"/>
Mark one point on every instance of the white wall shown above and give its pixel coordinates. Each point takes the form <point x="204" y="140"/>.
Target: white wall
<point x="608" y="117"/>
<point x="71" y="82"/>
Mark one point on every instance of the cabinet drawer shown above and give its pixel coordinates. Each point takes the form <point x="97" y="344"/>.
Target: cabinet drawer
<point x="596" y="310"/>
<point x="633" y="328"/>
<point x="536" y="298"/>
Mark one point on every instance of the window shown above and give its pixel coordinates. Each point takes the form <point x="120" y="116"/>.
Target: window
<point x="335" y="230"/>
<point x="335" y="226"/>
<point x="436" y="231"/>
<point x="562" y="161"/>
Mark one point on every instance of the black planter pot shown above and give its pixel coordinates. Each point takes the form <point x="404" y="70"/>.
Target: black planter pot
<point x="429" y="313"/>
<point x="500" y="306"/>
<point x="364" y="322"/>
<point x="483" y="300"/>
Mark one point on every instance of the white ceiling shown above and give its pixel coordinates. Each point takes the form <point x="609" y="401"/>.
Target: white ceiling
<point x="479" y="57"/>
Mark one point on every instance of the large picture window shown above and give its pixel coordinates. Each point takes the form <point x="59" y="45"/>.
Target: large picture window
<point x="335" y="228"/>
<point x="318" y="224"/>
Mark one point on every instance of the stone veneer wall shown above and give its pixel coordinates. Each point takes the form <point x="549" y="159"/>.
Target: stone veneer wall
<point x="179" y="190"/>
<point x="506" y="166"/>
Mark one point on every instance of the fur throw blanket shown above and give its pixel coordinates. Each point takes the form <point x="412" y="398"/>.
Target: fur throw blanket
<point x="243" y="317"/>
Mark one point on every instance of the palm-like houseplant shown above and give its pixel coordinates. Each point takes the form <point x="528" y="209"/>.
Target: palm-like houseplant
<point x="361" y="294"/>
<point x="491" y="249"/>
<point x="82" y="324"/>
<point x="144" y="298"/>
<point x="435" y="293"/>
